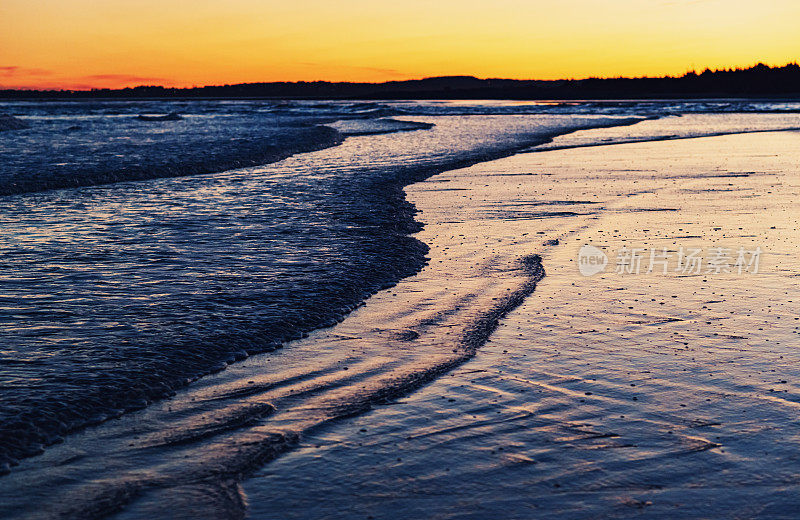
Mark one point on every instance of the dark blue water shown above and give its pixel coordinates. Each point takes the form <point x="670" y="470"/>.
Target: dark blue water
<point x="139" y="255"/>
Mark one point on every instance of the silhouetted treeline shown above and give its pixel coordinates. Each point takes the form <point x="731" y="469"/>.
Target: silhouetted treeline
<point x="757" y="81"/>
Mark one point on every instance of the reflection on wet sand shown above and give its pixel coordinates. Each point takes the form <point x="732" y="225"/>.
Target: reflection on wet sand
<point x="601" y="396"/>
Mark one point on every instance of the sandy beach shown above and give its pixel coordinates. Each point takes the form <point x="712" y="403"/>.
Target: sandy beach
<point x="614" y="395"/>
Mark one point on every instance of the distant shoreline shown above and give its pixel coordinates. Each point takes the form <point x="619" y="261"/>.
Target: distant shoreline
<point x="757" y="82"/>
<point x="77" y="99"/>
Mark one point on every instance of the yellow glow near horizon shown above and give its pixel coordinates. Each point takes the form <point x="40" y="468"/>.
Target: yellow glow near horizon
<point x="114" y="43"/>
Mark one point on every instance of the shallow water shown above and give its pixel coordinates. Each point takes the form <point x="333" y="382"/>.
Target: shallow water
<point x="116" y="295"/>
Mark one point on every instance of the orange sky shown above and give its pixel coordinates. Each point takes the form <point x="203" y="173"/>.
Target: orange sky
<point x="114" y="43"/>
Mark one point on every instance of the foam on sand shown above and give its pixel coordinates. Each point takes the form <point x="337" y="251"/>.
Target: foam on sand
<point x="377" y="126"/>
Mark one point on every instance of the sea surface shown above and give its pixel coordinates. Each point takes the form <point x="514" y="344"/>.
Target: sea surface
<point x="140" y="255"/>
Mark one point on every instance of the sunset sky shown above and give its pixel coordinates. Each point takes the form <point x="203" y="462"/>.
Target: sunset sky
<point x="115" y="43"/>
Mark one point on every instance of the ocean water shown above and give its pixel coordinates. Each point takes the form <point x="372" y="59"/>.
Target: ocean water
<point x="140" y="255"/>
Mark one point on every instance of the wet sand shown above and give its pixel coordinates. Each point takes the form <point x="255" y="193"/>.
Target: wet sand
<point x="615" y="395"/>
<point x="597" y="396"/>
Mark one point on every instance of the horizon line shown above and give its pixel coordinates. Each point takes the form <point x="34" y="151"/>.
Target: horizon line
<point x="688" y="73"/>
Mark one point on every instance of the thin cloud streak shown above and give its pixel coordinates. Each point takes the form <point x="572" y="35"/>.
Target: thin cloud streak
<point x="16" y="70"/>
<point x="124" y="78"/>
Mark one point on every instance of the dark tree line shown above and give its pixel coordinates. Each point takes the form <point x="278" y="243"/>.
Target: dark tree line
<point x="757" y="81"/>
